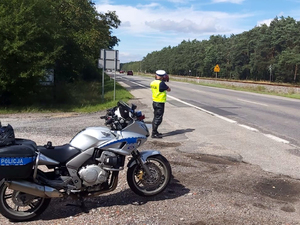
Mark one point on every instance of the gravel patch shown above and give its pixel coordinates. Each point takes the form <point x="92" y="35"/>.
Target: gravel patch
<point x="204" y="189"/>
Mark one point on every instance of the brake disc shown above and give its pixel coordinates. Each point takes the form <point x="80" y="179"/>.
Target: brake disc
<point x="155" y="175"/>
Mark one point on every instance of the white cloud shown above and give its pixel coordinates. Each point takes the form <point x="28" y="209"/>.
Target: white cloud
<point x="147" y="28"/>
<point x="149" y="6"/>
<point x="126" y="24"/>
<point x="184" y="26"/>
<point x="267" y="22"/>
<point x="130" y="57"/>
<point x="147" y="19"/>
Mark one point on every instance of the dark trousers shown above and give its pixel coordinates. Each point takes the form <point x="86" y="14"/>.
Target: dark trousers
<point x="159" y="109"/>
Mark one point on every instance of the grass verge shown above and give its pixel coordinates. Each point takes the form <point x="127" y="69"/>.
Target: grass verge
<point x="76" y="97"/>
<point x="256" y="89"/>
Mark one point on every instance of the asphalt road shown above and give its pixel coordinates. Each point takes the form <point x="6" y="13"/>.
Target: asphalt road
<point x="259" y="129"/>
<point x="273" y="115"/>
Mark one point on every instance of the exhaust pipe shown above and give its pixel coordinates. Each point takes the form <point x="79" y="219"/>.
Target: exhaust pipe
<point x="34" y="189"/>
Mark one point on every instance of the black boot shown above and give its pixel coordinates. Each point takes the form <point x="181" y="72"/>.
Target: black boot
<point x="155" y="133"/>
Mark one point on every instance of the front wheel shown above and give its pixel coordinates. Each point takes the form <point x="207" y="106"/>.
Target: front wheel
<point x="18" y="206"/>
<point x="150" y="184"/>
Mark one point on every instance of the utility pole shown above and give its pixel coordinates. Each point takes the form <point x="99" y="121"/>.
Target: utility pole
<point x="270" y="69"/>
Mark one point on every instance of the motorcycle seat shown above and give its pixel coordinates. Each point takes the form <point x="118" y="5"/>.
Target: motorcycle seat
<point x="61" y="154"/>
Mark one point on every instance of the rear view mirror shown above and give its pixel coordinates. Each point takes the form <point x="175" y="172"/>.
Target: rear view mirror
<point x="133" y="107"/>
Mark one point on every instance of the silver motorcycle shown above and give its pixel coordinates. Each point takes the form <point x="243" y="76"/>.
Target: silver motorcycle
<point x="87" y="166"/>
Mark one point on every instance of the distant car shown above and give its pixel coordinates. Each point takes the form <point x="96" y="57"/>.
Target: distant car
<point x="122" y="71"/>
<point x="166" y="78"/>
<point x="130" y="72"/>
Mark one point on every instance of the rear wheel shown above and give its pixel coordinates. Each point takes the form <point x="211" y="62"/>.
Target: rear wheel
<point x="19" y="206"/>
<point x="150" y="184"/>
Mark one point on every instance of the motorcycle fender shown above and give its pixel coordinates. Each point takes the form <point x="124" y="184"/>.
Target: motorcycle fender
<point x="144" y="156"/>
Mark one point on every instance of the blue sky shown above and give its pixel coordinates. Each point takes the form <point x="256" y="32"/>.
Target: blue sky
<point x="150" y="25"/>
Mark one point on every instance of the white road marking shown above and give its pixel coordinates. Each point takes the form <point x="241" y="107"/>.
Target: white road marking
<point x="249" y="128"/>
<point x="277" y="138"/>
<point x="188" y="104"/>
<point x="256" y="103"/>
<point x="141" y="85"/>
<point x="225" y="118"/>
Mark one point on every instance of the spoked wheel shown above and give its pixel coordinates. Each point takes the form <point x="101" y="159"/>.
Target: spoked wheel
<point x="150" y="184"/>
<point x="19" y="206"/>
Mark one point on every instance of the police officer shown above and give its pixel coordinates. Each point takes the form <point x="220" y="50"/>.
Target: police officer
<point x="159" y="96"/>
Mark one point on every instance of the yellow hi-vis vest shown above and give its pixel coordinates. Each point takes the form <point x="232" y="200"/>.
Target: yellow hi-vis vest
<point x="157" y="96"/>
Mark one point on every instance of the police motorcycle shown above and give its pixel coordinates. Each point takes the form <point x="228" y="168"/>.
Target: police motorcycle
<point x="87" y="166"/>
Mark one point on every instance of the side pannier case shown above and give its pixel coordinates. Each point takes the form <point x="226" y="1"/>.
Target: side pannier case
<point x="17" y="160"/>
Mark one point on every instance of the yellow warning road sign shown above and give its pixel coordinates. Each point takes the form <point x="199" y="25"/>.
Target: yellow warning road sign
<point x="217" y="69"/>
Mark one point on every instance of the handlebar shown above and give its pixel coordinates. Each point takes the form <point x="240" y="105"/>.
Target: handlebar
<point x="121" y="116"/>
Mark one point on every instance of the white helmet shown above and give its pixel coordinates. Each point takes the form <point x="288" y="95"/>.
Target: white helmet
<point x="160" y="72"/>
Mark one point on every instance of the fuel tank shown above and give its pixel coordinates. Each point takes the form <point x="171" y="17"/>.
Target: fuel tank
<point x="91" y="137"/>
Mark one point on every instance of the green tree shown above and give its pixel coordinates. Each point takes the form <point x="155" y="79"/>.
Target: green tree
<point x="248" y="55"/>
<point x="29" y="43"/>
<point x="289" y="61"/>
<point x="64" y="35"/>
<point x="85" y="32"/>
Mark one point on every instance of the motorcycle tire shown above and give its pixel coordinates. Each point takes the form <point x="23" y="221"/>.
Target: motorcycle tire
<point x="145" y="185"/>
<point x="18" y="206"/>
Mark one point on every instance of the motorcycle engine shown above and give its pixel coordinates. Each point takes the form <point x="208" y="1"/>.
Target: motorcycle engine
<point x="92" y="175"/>
<point x="97" y="174"/>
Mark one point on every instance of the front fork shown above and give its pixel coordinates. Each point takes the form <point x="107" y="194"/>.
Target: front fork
<point x="141" y="159"/>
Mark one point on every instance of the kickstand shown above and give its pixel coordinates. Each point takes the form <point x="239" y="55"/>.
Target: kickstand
<point x="81" y="206"/>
